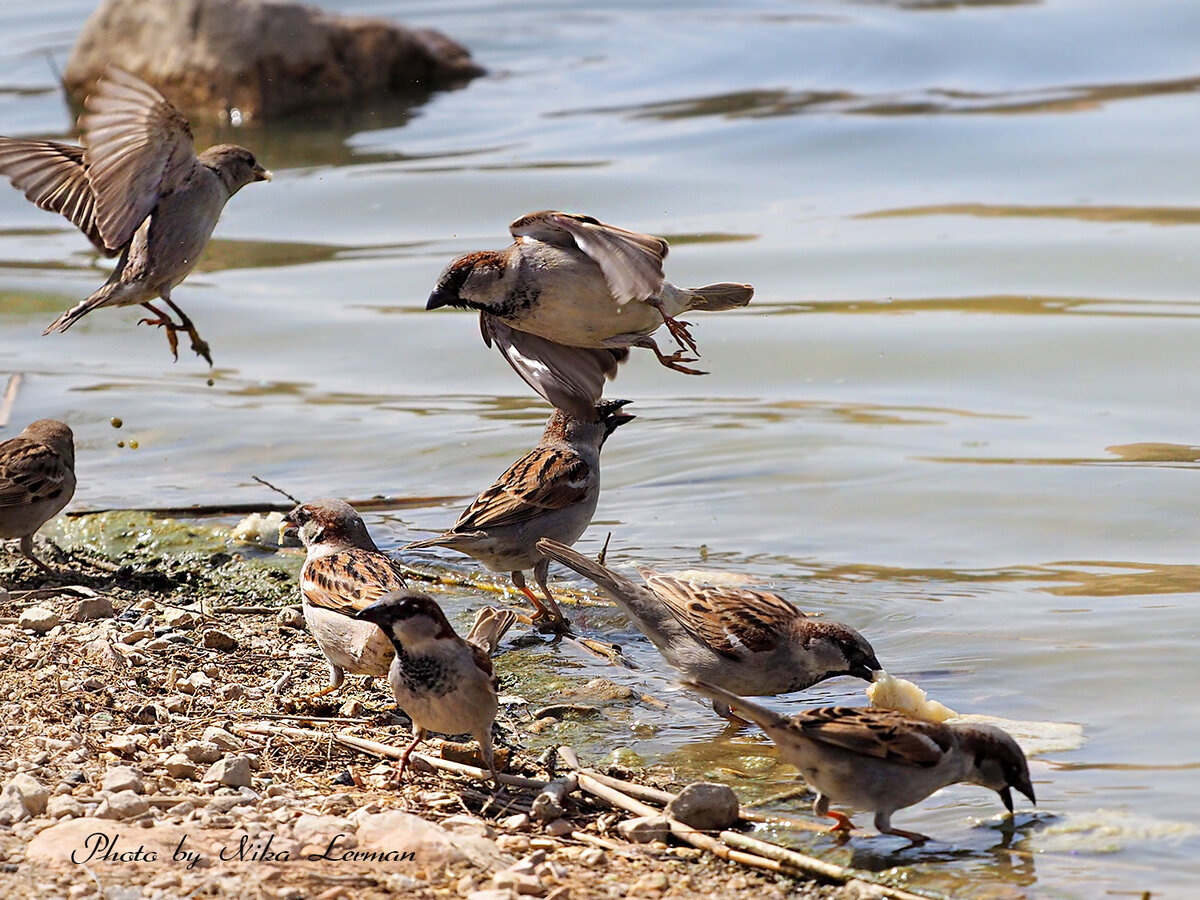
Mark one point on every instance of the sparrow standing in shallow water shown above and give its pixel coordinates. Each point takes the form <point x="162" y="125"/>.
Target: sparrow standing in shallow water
<point x="881" y="760"/>
<point x="551" y="492"/>
<point x="37" y="479"/>
<point x="571" y="295"/>
<point x="745" y="641"/>
<point x="344" y="574"/>
<point x="444" y="683"/>
<point x="136" y="188"/>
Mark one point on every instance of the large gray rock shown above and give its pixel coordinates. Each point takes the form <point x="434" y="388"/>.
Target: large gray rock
<point x="263" y="58"/>
<point x="22" y="798"/>
<point x="705" y="806"/>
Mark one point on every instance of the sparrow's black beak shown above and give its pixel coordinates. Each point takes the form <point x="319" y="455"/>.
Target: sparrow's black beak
<point x="1026" y="788"/>
<point x="1006" y="797"/>
<point x="287" y="527"/>
<point x="261" y="174"/>
<point x="370" y="613"/>
<point x="440" y="298"/>
<point x="866" y="670"/>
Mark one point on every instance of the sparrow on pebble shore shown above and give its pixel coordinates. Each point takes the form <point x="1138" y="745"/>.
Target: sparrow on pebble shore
<point x="881" y="760"/>
<point x="551" y="492"/>
<point x="745" y="641"/>
<point x="136" y="188"/>
<point x="343" y="574"/>
<point x="571" y="295"/>
<point x="37" y="479"/>
<point x="443" y="682"/>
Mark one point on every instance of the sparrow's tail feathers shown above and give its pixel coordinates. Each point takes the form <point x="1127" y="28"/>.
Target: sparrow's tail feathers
<point x="103" y="297"/>
<point x="723" y="295"/>
<point x="439" y="541"/>
<point x="764" y="718"/>
<point x="490" y="626"/>
<point x="606" y="579"/>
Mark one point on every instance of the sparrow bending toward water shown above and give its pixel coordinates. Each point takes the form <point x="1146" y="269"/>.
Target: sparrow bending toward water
<point x="136" y="188"/>
<point x="881" y="760"/>
<point x="444" y="683"/>
<point x="37" y="479"/>
<point x="745" y="641"/>
<point x="571" y="295"/>
<point x="550" y="492"/>
<point x="343" y="574"/>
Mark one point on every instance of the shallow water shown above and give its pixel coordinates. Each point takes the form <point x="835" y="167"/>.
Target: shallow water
<point x="961" y="414"/>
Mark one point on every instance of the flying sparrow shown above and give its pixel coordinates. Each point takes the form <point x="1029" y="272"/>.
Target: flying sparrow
<point x="443" y="683"/>
<point x="37" y="479"/>
<point x="746" y="641"/>
<point x="136" y="188"/>
<point x="571" y="295"/>
<point x="882" y="760"/>
<point x="344" y="573"/>
<point x="551" y="491"/>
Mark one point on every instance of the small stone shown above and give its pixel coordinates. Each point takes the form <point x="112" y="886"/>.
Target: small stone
<point x="23" y="797"/>
<point x="593" y="856"/>
<point x="518" y="822"/>
<point x="320" y="830"/>
<point x="290" y="617"/>
<point x="653" y="883"/>
<point x="122" y="778"/>
<point x="38" y="619"/>
<point x="644" y="829"/>
<point x="231" y="771"/>
<point x="493" y="894"/>
<point x="138" y="634"/>
<point x="91" y="608"/>
<point x="179" y="766"/>
<point x="125" y="805"/>
<point x="219" y="640"/>
<point x="123" y="744"/>
<point x="221" y="739"/>
<point x="181" y="619"/>
<point x="705" y="806"/>
<point x="529" y="885"/>
<point x="558" y="828"/>
<point x="194" y="683"/>
<point x="64" y="806"/>
<point x="231" y="692"/>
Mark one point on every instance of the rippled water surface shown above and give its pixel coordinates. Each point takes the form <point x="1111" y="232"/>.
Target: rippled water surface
<point x="962" y="413"/>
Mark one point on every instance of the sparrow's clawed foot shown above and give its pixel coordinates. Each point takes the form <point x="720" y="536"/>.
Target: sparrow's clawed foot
<point x="674" y="361"/>
<point x="677" y="327"/>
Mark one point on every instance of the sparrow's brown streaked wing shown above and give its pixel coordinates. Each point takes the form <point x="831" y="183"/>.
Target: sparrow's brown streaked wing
<point x="540" y="481"/>
<point x="880" y="733"/>
<point x="137" y="147"/>
<point x="631" y="261"/>
<point x="569" y="378"/>
<point x="729" y="620"/>
<point x="30" y="472"/>
<point x="52" y="176"/>
<point x="349" y="580"/>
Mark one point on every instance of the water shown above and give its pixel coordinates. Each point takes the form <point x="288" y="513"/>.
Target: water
<point x="960" y="415"/>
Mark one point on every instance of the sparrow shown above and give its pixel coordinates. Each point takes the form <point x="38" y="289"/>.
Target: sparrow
<point x="746" y="641"/>
<point x="343" y="574"/>
<point x="37" y="479"/>
<point x="882" y="760"/>
<point x="551" y="491"/>
<point x="444" y="683"/>
<point x="568" y="298"/>
<point x="136" y="188"/>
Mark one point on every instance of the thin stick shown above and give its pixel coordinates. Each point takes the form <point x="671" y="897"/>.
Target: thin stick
<point x="10" y="397"/>
<point x="603" y="554"/>
<point x="264" y="481"/>
<point x="387" y="750"/>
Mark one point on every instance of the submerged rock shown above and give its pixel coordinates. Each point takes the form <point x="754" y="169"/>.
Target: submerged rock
<point x="260" y="58"/>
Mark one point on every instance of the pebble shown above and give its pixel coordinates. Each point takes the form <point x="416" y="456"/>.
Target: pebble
<point x="122" y="778"/>
<point x="705" y="806"/>
<point x="91" y="608"/>
<point x="290" y="617"/>
<point x="138" y="634"/>
<point x="38" y="619"/>
<point x="123" y="744"/>
<point x="644" y="829"/>
<point x="221" y="738"/>
<point x="124" y="805"/>
<point x="231" y="771"/>
<point x="528" y="885"/>
<point x="23" y="796"/>
<point x="558" y="828"/>
<point x="231" y="692"/>
<point x="214" y="639"/>
<point x="180" y="618"/>
<point x="593" y="856"/>
<point x="64" y="806"/>
<point x="179" y="766"/>
<point x="518" y="822"/>
<point x="651" y="883"/>
<point x="195" y="682"/>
